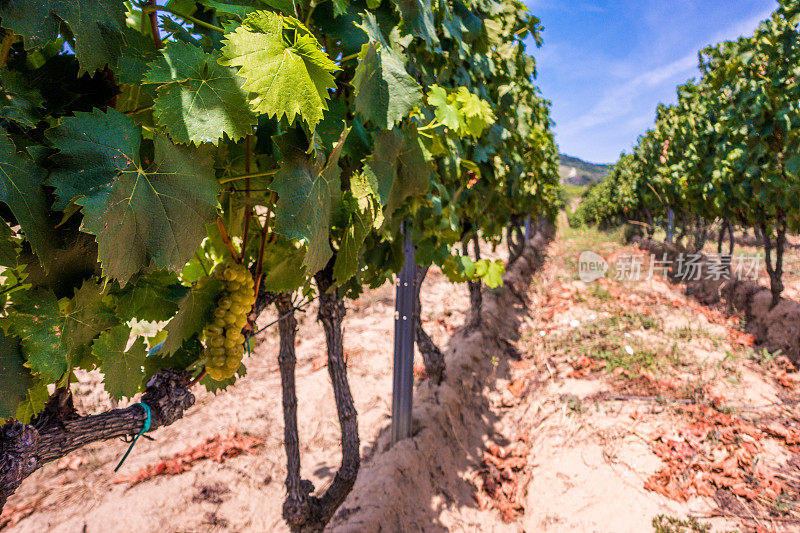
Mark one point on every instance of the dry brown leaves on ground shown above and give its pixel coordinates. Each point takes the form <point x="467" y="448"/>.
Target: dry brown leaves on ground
<point x="585" y="365"/>
<point x="217" y="448"/>
<point x="499" y="484"/>
<point x="716" y="451"/>
<point x="14" y="514"/>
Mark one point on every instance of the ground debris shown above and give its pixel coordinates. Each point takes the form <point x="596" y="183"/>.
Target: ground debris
<point x="499" y="484"/>
<point x="714" y="452"/>
<point x="217" y="448"/>
<point x="14" y="514"/>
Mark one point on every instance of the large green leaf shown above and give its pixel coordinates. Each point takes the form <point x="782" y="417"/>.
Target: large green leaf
<point x="283" y="266"/>
<point x="364" y="210"/>
<point x="34" y="401"/>
<point x="15" y="379"/>
<point x="198" y="100"/>
<point x="21" y="190"/>
<point x="309" y="191"/>
<point x="242" y="8"/>
<point x="123" y="370"/>
<point x="399" y="168"/>
<point x="97" y="25"/>
<point x="19" y="100"/>
<point x="283" y="64"/>
<point x="153" y="297"/>
<point x="385" y="93"/>
<point x="139" y="51"/>
<point x="418" y="19"/>
<point x="141" y="213"/>
<point x="8" y="247"/>
<point x="194" y="312"/>
<point x="37" y="321"/>
<point x="86" y="316"/>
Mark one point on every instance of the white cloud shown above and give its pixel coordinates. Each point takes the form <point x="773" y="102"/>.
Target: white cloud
<point x="618" y="105"/>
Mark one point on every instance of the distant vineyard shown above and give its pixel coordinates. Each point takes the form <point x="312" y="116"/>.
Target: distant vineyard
<point x="727" y="154"/>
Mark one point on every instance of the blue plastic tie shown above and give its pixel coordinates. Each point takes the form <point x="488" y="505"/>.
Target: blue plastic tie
<point x="147" y="422"/>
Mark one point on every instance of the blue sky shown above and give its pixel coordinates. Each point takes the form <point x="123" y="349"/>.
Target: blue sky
<point x="606" y="65"/>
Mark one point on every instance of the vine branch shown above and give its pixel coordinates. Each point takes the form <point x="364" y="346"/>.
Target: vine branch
<point x="59" y="430"/>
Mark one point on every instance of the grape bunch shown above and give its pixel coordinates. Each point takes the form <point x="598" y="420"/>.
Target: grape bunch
<point x="224" y="338"/>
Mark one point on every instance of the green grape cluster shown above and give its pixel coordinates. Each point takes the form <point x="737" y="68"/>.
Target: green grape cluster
<point x="224" y="338"/>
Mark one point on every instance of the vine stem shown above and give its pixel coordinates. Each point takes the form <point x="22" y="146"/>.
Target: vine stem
<point x="348" y="58"/>
<point x="227" y="240"/>
<point x="248" y="176"/>
<point x="264" y="234"/>
<point x="248" y="213"/>
<point x="433" y="125"/>
<point x="5" y="49"/>
<point x="151" y="8"/>
<point x="202" y="264"/>
<point x="203" y="373"/>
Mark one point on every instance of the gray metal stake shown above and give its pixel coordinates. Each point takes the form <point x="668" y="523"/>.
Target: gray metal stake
<point x="528" y="228"/>
<point x="670" y="225"/>
<point x="403" y="382"/>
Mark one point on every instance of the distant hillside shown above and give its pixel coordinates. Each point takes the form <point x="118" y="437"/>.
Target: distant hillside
<point x="575" y="171"/>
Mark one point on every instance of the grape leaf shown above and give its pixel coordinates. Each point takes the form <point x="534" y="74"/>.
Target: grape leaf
<point x="198" y="100"/>
<point x="418" y="19"/>
<point x="385" y="93"/>
<point x="15" y="379"/>
<point x="184" y="357"/>
<point x="34" y="401"/>
<point x="8" y="247"/>
<point x="194" y="312"/>
<point x="445" y="112"/>
<point x="283" y="64"/>
<point x="153" y="297"/>
<point x="21" y="190"/>
<point x="340" y="7"/>
<point x="242" y="8"/>
<point x="492" y="273"/>
<point x="94" y="149"/>
<point x="140" y="214"/>
<point x="359" y="226"/>
<point x="86" y="316"/>
<point x="97" y="25"/>
<point x="37" y="321"/>
<point x="139" y="51"/>
<point x="308" y="195"/>
<point x="283" y="266"/>
<point x="399" y="167"/>
<point x="123" y="370"/>
<point x="19" y="101"/>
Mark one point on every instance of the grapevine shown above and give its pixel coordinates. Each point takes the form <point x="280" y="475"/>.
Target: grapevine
<point x="186" y="166"/>
<point x="727" y="154"/>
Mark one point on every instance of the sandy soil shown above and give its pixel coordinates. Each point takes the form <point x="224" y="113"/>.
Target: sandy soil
<point x="589" y="455"/>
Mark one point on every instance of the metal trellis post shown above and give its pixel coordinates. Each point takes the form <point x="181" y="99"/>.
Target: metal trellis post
<point x="670" y="225"/>
<point x="403" y="383"/>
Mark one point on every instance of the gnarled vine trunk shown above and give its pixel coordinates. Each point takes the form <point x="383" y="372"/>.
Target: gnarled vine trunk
<point x="475" y="287"/>
<point x="59" y="430"/>
<point x="774" y="268"/>
<point x="331" y="314"/>
<point x="432" y="356"/>
<point x="296" y="508"/>
<point x="516" y="241"/>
